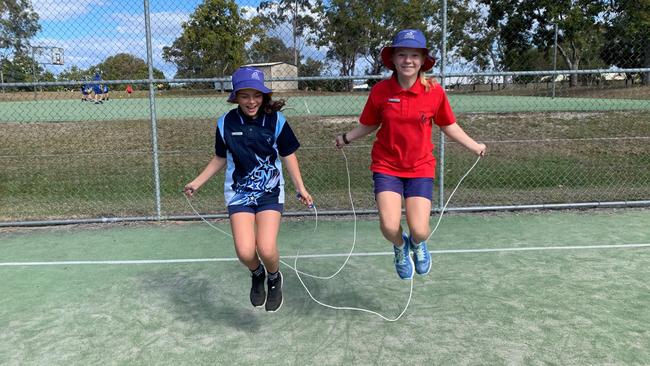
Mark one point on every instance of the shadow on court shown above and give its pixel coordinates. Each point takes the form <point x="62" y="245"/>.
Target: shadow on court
<point x="197" y="299"/>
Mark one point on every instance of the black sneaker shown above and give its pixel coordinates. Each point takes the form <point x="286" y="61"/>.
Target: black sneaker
<point x="258" y="295"/>
<point x="274" y="297"/>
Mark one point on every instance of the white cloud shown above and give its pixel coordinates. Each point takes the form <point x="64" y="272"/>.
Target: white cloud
<point x="88" y="51"/>
<point x="163" y="24"/>
<point x="63" y="9"/>
<point x="127" y="33"/>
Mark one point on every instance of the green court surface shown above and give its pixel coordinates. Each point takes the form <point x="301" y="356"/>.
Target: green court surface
<point x="559" y="288"/>
<point x="328" y="105"/>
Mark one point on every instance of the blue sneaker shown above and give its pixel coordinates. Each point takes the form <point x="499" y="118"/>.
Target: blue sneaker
<point x="403" y="261"/>
<point x="421" y="257"/>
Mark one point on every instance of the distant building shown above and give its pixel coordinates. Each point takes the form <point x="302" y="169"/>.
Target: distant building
<point x="270" y="70"/>
<point x="361" y="87"/>
<point x="278" y="70"/>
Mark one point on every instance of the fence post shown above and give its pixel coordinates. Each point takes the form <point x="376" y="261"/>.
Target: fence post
<point x="441" y="142"/>
<point x="152" y="109"/>
<point x="2" y="74"/>
<point x="554" y="58"/>
<point x="34" y="71"/>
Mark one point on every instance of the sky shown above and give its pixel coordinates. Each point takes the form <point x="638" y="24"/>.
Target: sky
<point x="89" y="31"/>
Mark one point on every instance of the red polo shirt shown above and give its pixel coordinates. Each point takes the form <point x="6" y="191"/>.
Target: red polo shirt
<point x="403" y="147"/>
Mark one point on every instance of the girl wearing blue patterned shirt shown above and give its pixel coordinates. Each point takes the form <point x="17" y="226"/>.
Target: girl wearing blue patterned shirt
<point x="252" y="142"/>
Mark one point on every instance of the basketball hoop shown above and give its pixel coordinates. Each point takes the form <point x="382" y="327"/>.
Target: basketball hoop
<point x="47" y="55"/>
<point x="57" y="56"/>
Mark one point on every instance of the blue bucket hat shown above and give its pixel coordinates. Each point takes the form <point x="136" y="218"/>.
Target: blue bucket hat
<point x="247" y="78"/>
<point x="408" y="38"/>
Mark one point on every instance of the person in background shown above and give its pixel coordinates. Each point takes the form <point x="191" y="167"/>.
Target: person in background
<point x="252" y="142"/>
<point x="129" y="90"/>
<point x="97" y="89"/>
<point x="403" y="110"/>
<point x="85" y="93"/>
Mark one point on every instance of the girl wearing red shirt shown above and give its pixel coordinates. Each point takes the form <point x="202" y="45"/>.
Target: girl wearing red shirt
<point x="404" y="108"/>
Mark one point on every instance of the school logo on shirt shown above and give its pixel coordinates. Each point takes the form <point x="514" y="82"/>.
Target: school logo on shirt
<point x="264" y="178"/>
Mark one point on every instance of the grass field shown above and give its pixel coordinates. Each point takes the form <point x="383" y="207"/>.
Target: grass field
<point x="96" y="160"/>
<point x="89" y="170"/>
<point x="70" y="110"/>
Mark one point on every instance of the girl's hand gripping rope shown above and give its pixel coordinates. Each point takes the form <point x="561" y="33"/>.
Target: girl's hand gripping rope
<point x="341" y="140"/>
<point x="189" y="190"/>
<point x="305" y="198"/>
<point x="480" y="150"/>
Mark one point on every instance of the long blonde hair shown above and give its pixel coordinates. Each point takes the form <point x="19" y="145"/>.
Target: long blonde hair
<point x="427" y="82"/>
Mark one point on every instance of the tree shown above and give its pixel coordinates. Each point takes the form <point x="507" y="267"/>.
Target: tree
<point x="370" y="26"/>
<point x="21" y="69"/>
<point x="126" y="66"/>
<point x="628" y="42"/>
<point x="525" y="26"/>
<point x="469" y="37"/>
<point x="270" y="49"/>
<point x="213" y="41"/>
<point x="274" y="13"/>
<point x="18" y="24"/>
<point x="385" y="18"/>
<point x="310" y="67"/>
<point x="344" y="33"/>
<point x="75" y="73"/>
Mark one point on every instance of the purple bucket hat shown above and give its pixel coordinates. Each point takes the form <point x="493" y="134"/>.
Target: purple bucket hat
<point x="408" y="38"/>
<point x="247" y="78"/>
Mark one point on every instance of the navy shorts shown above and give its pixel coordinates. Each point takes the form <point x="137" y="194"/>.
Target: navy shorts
<point x="407" y="187"/>
<point x="233" y="209"/>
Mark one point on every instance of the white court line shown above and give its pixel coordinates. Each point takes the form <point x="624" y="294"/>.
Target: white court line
<point x="443" y="251"/>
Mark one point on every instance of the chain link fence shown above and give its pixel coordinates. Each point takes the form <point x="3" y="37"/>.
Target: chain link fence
<point x="107" y="109"/>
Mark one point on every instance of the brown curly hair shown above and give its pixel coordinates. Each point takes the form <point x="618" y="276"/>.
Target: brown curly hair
<point x="269" y="105"/>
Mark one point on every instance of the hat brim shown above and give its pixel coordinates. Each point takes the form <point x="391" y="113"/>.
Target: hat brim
<point x="387" y="58"/>
<point x="248" y="85"/>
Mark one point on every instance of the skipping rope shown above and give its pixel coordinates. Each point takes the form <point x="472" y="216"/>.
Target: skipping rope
<point x="299" y="272"/>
